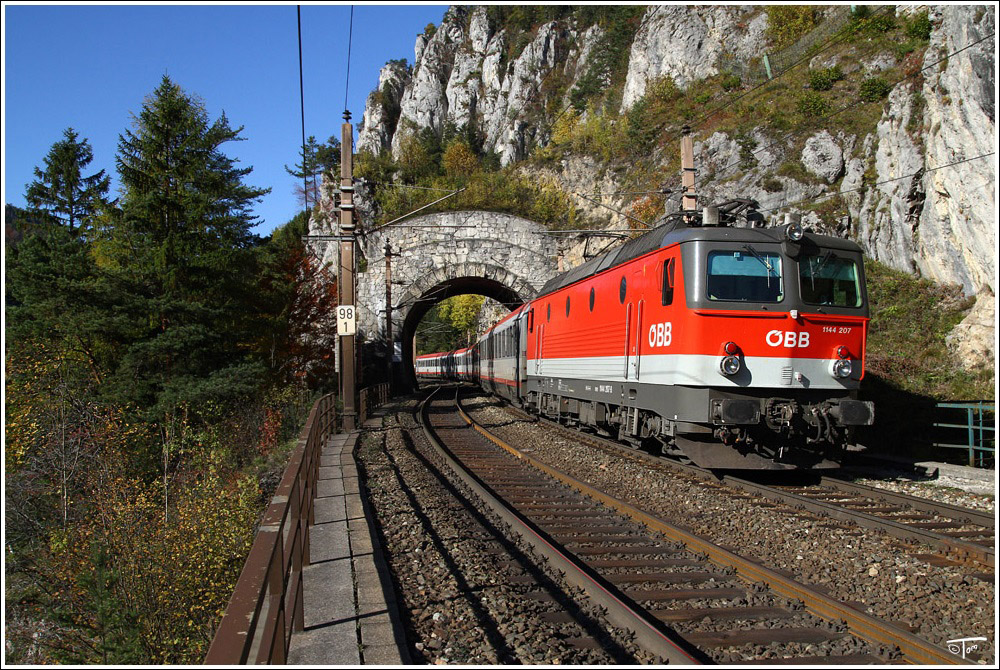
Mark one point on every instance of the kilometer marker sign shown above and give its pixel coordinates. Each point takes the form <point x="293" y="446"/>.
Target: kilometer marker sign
<point x="346" y="320"/>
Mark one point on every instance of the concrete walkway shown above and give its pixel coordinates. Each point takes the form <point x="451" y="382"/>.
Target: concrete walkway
<point x="350" y="613"/>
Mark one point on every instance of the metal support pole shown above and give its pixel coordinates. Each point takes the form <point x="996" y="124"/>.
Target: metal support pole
<point x="689" y="202"/>
<point x="346" y="283"/>
<point x="972" y="440"/>
<point x="390" y="349"/>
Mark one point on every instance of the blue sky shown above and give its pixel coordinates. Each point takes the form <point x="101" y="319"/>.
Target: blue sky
<point x="90" y="67"/>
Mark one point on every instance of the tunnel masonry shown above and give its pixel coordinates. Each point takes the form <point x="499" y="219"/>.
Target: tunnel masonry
<point x="436" y="256"/>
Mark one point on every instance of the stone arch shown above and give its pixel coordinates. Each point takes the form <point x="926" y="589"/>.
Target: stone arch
<point x="489" y="280"/>
<point x="503" y="256"/>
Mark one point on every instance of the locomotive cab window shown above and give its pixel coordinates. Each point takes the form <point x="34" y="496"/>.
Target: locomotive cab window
<point x="667" y="295"/>
<point x="745" y="275"/>
<point x="826" y="279"/>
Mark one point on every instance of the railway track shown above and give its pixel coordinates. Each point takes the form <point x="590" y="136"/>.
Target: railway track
<point x="684" y="598"/>
<point x="962" y="535"/>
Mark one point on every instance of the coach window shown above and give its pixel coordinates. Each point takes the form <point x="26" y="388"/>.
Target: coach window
<point x="668" y="282"/>
<point x="591" y="298"/>
<point x="567" y="306"/>
<point x="621" y="291"/>
<point x="745" y="275"/>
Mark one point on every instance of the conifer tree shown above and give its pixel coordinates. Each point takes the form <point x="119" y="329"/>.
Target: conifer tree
<point x="183" y="243"/>
<point x="315" y="160"/>
<point x="61" y="191"/>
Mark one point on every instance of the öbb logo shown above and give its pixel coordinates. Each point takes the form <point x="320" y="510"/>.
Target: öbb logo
<point x="660" y="335"/>
<point x="787" y="338"/>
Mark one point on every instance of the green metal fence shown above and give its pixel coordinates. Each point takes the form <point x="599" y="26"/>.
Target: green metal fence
<point x="979" y="430"/>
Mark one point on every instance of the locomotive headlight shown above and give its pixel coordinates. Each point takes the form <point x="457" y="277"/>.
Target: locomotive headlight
<point x="729" y="365"/>
<point x="794" y="232"/>
<point x="842" y="368"/>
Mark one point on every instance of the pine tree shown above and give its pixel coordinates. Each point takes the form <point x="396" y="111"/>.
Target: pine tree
<point x="61" y="191"/>
<point x="315" y="160"/>
<point x="182" y="241"/>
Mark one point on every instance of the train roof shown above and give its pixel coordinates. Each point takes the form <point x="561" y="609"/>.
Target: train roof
<point x="438" y="354"/>
<point x="676" y="232"/>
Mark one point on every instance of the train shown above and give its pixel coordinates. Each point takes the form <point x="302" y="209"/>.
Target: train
<point x="729" y="346"/>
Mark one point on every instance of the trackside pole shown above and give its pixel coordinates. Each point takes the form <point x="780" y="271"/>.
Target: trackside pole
<point x="345" y="286"/>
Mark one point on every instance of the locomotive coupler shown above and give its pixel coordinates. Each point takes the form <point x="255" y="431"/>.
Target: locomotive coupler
<point x="780" y="412"/>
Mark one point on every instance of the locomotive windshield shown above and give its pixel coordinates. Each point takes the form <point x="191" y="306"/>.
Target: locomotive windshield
<point x="746" y="275"/>
<point x="829" y="280"/>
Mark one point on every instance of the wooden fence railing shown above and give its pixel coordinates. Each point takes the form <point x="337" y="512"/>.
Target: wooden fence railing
<point x="266" y="605"/>
<point x="372" y="397"/>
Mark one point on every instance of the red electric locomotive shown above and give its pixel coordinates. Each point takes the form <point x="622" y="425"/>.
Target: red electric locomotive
<point x="732" y="347"/>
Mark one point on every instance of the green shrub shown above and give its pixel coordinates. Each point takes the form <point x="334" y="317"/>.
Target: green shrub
<point x="772" y="185"/>
<point x="879" y="23"/>
<point x="787" y="23"/>
<point x="811" y="103"/>
<point x="874" y="89"/>
<point x="906" y="342"/>
<point x="731" y="81"/>
<point x="608" y="61"/>
<point x="747" y="144"/>
<point x="823" y="80"/>
<point x="646" y="119"/>
<point x="794" y="169"/>
<point x="919" y="26"/>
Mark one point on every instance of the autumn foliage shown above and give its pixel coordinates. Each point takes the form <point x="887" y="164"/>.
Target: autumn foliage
<point x="160" y="360"/>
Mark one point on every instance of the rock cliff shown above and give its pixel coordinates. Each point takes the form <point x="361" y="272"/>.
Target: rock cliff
<point x="909" y="198"/>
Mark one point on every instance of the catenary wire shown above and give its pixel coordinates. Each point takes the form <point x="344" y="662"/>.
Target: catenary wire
<point x="347" y="79"/>
<point x="856" y="103"/>
<point x="302" y="108"/>
<point x="921" y="171"/>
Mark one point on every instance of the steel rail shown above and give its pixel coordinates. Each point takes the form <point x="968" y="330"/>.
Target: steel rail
<point x="972" y="516"/>
<point x="913" y="648"/>
<point x="956" y="547"/>
<point x="649" y="634"/>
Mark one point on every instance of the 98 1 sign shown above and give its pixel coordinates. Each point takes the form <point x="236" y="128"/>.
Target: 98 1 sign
<point x="346" y="320"/>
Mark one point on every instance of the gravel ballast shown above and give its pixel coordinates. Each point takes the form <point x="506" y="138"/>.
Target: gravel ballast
<point x="852" y="564"/>
<point x="467" y="594"/>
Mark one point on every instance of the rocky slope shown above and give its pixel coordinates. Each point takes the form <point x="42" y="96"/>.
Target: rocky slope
<point x="910" y="200"/>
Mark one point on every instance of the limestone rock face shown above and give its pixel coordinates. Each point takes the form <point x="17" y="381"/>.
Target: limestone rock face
<point x="956" y="228"/>
<point x="890" y="211"/>
<point x="462" y="75"/>
<point x="823" y="157"/>
<point x="973" y="340"/>
<point x="425" y="100"/>
<point x="379" y="123"/>
<point x="685" y="44"/>
<point x="909" y="199"/>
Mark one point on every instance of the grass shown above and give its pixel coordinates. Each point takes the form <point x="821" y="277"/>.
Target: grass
<point x="908" y="366"/>
<point x="906" y="344"/>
